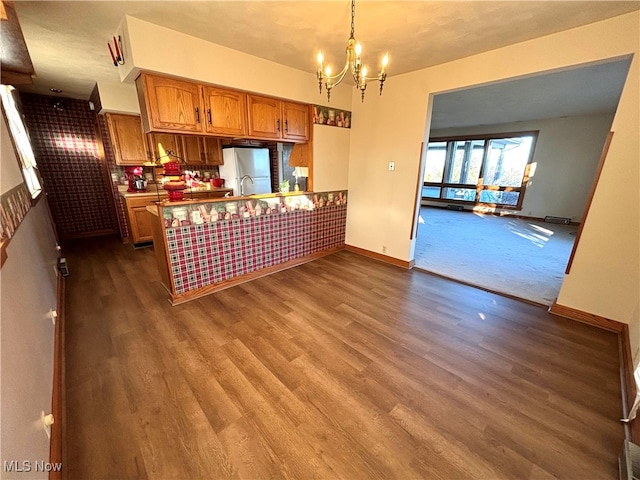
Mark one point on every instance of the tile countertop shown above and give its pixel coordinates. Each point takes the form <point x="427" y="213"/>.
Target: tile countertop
<point x="153" y="190"/>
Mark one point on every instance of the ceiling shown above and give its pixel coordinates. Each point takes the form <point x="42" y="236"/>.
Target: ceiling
<point x="68" y="40"/>
<point x="588" y="90"/>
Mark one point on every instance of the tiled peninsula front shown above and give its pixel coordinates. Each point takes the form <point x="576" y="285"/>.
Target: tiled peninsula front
<point x="204" y="246"/>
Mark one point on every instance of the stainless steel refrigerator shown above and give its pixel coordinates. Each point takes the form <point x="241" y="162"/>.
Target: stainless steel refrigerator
<point x="241" y="161"/>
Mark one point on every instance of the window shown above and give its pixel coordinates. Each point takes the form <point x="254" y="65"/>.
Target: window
<point x="21" y="140"/>
<point x="482" y="169"/>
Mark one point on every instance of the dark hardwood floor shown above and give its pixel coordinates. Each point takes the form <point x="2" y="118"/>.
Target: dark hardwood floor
<point x="344" y="367"/>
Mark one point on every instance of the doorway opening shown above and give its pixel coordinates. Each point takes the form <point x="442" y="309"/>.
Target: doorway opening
<point x="481" y="225"/>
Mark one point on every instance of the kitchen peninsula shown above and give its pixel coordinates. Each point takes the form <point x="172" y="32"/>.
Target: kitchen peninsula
<point x="202" y="246"/>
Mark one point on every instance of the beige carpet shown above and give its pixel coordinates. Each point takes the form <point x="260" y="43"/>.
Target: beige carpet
<point x="523" y="258"/>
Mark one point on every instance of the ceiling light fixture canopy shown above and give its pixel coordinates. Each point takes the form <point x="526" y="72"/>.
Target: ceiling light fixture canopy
<point x="353" y="64"/>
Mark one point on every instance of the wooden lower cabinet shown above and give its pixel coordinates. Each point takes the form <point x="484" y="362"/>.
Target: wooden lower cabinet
<point x="142" y="223"/>
<point x="139" y="219"/>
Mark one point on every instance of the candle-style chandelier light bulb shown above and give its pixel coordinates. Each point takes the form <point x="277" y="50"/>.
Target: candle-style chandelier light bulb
<point x="353" y="64"/>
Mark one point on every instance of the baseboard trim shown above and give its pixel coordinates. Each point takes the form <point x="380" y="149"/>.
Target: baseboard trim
<point x="56" y="447"/>
<point x="627" y="384"/>
<point x="584" y="317"/>
<point x="381" y="257"/>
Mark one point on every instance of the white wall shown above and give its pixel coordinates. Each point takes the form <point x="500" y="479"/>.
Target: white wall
<point x="159" y="49"/>
<point x="605" y="275"/>
<point x="566" y="158"/>
<point x="28" y="290"/>
<point x="331" y="153"/>
<point x="118" y="98"/>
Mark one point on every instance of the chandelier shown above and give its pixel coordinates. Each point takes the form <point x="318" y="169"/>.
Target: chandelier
<point x="353" y="64"/>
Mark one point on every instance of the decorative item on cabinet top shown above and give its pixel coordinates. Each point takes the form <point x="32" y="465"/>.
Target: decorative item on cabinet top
<point x="186" y="214"/>
<point x="331" y="116"/>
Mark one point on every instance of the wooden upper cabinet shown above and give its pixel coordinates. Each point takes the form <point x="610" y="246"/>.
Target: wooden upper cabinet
<point x="201" y="150"/>
<point x="296" y="121"/>
<point x="299" y="156"/>
<point x="162" y="143"/>
<point x="225" y="112"/>
<point x="192" y="149"/>
<point x="212" y="150"/>
<point x="170" y="104"/>
<point x="264" y="117"/>
<point x="270" y="118"/>
<point x="127" y="139"/>
<point x="179" y="106"/>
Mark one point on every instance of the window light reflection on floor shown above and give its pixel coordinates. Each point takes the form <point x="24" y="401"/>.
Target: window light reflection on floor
<point x="546" y="231"/>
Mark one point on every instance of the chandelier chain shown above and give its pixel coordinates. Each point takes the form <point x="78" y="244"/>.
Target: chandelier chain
<point x="353" y="19"/>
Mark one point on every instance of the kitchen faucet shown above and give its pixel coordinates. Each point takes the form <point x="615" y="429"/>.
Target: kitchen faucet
<point x="242" y="184"/>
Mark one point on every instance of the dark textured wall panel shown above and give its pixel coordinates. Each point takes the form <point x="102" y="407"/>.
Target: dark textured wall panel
<point x="66" y="149"/>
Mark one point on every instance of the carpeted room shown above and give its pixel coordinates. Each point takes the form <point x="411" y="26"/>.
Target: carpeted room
<point x="518" y="257"/>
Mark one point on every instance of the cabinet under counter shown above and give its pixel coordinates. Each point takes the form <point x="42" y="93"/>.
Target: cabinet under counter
<point x="137" y="216"/>
<point x="205" y="246"/>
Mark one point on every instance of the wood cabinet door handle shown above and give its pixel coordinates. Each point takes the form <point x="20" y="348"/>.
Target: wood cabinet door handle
<point x="210" y="116"/>
<point x="197" y="115"/>
<point x="286" y="126"/>
<point x="278" y="124"/>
